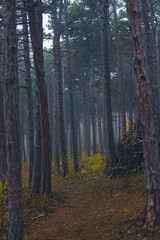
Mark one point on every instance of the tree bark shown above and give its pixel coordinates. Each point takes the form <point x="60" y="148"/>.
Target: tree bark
<point x="150" y="126"/>
<point x="96" y="105"/>
<point x="88" y="127"/>
<point x="101" y="146"/>
<point x="151" y="58"/>
<point x="79" y="136"/>
<point x="104" y="6"/>
<point x="37" y="163"/>
<point x="3" y="160"/>
<point x="70" y="85"/>
<point x="158" y="72"/>
<point x="21" y="111"/>
<point x="2" y="136"/>
<point x="58" y="81"/>
<point x="94" y="135"/>
<point x="120" y="70"/>
<point x="15" y="227"/>
<point x="35" y="21"/>
<point x="29" y="94"/>
<point x="84" y="98"/>
<point x="56" y="128"/>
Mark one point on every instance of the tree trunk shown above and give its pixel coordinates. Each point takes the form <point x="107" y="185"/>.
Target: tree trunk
<point x="56" y="128"/>
<point x="21" y="111"/>
<point x="150" y="59"/>
<point x="3" y="161"/>
<point x="104" y="6"/>
<point x="150" y="126"/>
<point x="83" y="87"/>
<point x="37" y="163"/>
<point x="130" y="121"/>
<point x="79" y="136"/>
<point x="131" y="100"/>
<point x="35" y="21"/>
<point x="71" y="99"/>
<point x="88" y="127"/>
<point x="15" y="227"/>
<point x="2" y="136"/>
<point x="58" y="80"/>
<point x="96" y="106"/>
<point x="158" y="73"/>
<point x="29" y="94"/>
<point x="120" y="70"/>
<point x="94" y="135"/>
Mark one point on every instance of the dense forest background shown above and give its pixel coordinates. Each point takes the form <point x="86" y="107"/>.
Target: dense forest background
<point x="77" y="96"/>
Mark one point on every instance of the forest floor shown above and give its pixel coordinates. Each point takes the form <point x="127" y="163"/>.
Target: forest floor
<point x="87" y="209"/>
<point x="84" y="206"/>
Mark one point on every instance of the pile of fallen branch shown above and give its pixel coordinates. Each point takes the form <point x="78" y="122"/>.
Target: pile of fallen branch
<point x="129" y="154"/>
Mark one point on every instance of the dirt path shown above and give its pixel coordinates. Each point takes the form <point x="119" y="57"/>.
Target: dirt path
<point x="93" y="209"/>
<point x="79" y="217"/>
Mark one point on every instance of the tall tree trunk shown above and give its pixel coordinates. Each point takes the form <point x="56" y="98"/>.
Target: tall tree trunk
<point x="15" y="227"/>
<point x="158" y="73"/>
<point x="3" y="160"/>
<point x="56" y="129"/>
<point x="94" y="135"/>
<point x="79" y="136"/>
<point x="130" y="120"/>
<point x="150" y="58"/>
<point x="29" y="94"/>
<point x="21" y="111"/>
<point x="35" y="21"/>
<point x="96" y="105"/>
<point x="105" y="145"/>
<point x="50" y="110"/>
<point x="92" y="91"/>
<point x="120" y="70"/>
<point x="58" y="81"/>
<point x="131" y="98"/>
<point x="150" y="126"/>
<point x="2" y="135"/>
<point x="152" y="35"/>
<point x="104" y="6"/>
<point x="83" y="87"/>
<point x="88" y="128"/>
<point x="37" y="163"/>
<point x="70" y="85"/>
